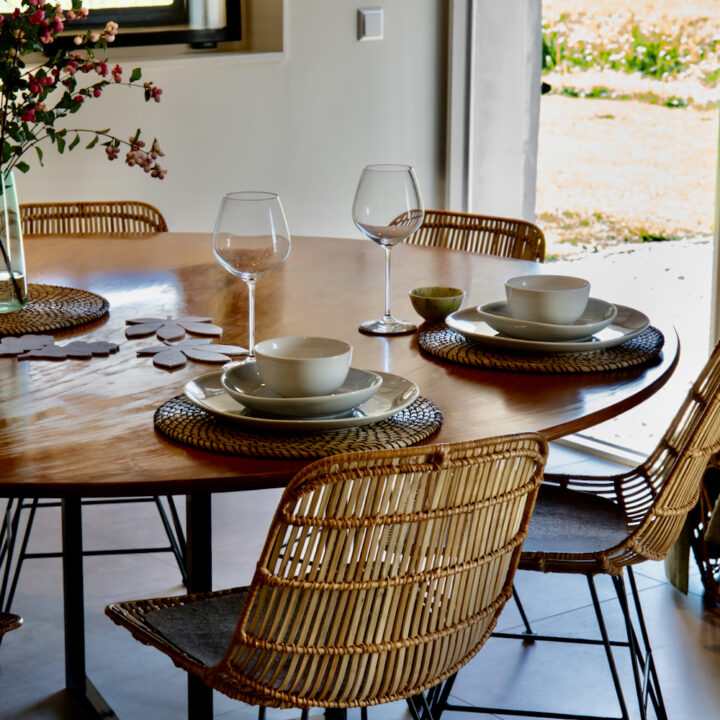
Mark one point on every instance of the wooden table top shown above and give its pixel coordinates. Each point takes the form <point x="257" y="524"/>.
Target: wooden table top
<point x="85" y="428"/>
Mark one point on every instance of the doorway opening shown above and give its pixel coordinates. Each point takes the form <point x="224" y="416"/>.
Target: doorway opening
<point x="627" y="168"/>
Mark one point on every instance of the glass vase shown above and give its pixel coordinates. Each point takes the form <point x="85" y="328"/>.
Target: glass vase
<point x="13" y="284"/>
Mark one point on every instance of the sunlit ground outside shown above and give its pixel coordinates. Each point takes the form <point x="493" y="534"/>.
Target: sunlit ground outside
<point x="627" y="167"/>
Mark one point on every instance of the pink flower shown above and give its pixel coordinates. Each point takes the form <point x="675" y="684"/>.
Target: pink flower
<point x="78" y="98"/>
<point x="97" y="92"/>
<point x="78" y="39"/>
<point x="28" y="115"/>
<point x="112" y="152"/>
<point x="36" y="17"/>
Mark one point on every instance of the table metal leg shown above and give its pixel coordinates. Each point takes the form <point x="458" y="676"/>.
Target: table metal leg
<point x="199" y="567"/>
<point x="92" y="702"/>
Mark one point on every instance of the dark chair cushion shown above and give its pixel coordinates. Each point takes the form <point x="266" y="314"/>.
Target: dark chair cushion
<point x="202" y="629"/>
<point x="567" y="521"/>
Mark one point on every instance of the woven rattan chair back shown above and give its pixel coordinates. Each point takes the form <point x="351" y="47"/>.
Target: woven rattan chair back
<point x="383" y="573"/>
<point x="91" y="218"/>
<point x="481" y="234"/>
<point x="657" y="495"/>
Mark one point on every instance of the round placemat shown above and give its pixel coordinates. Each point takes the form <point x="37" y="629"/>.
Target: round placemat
<point x="188" y="424"/>
<point x="442" y="342"/>
<point x="53" y="307"/>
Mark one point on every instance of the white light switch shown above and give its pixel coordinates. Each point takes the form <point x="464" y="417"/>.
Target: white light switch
<point x="370" y="24"/>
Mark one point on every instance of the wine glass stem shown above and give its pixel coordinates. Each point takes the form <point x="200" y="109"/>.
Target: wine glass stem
<point x="251" y="317"/>
<point x="387" y="249"/>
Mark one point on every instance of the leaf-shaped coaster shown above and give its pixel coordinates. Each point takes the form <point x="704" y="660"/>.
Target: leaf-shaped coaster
<point x="77" y="349"/>
<point x="10" y="346"/>
<point x="169" y="329"/>
<point x="170" y="357"/>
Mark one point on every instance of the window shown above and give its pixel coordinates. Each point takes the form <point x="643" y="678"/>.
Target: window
<point x="199" y="23"/>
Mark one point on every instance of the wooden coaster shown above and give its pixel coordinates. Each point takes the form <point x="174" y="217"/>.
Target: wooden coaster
<point x="52" y="307"/>
<point x="188" y="424"/>
<point x="444" y="343"/>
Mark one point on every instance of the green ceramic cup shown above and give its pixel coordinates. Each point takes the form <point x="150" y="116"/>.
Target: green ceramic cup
<point x="435" y="303"/>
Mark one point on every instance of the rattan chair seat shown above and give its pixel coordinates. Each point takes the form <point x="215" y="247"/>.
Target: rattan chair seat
<point x="9" y="622"/>
<point x="201" y="627"/>
<point x="572" y="524"/>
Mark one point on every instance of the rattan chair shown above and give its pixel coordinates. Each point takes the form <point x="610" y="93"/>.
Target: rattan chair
<point x="382" y="573"/>
<point x="82" y="218"/>
<point x="9" y="622"/>
<point x="704" y="532"/>
<point x="481" y="234"/>
<point x="591" y="525"/>
<point x="90" y="218"/>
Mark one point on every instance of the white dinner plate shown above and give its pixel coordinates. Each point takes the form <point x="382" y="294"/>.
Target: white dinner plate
<point x="597" y="315"/>
<point x="395" y="393"/>
<point x="627" y="323"/>
<point x="244" y="382"/>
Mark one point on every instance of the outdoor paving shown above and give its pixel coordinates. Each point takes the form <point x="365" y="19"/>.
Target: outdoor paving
<point x="670" y="282"/>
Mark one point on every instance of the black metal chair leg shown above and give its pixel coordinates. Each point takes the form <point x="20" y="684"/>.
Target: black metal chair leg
<point x="171" y="536"/>
<point x="175" y="515"/>
<point x="653" y="681"/>
<point x="521" y="610"/>
<point x="22" y="554"/>
<point x="608" y="647"/>
<point x="11" y="540"/>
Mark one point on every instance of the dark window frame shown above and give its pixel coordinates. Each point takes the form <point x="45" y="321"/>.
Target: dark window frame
<point x="157" y="25"/>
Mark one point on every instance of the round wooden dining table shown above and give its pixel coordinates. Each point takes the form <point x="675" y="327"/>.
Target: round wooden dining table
<point x="84" y="428"/>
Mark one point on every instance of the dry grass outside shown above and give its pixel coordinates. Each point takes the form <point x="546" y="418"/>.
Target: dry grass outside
<point x="617" y="171"/>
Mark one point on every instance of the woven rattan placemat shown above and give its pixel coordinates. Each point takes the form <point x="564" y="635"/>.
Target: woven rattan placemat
<point x="188" y="424"/>
<point x="52" y="307"/>
<point x="442" y="342"/>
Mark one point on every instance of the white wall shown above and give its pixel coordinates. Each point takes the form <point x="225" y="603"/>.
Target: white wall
<point x="302" y="126"/>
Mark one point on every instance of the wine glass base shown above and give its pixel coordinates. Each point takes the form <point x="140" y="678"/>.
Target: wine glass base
<point x="387" y="326"/>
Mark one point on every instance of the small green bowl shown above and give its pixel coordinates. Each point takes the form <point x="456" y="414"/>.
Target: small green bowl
<point x="436" y="303"/>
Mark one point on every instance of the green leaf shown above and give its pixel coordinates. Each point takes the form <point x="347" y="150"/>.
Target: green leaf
<point x="60" y="144"/>
<point x="74" y="143"/>
<point x="135" y="75"/>
<point x="92" y="143"/>
<point x="39" y="154"/>
<point x="23" y="167"/>
<point x="61" y="133"/>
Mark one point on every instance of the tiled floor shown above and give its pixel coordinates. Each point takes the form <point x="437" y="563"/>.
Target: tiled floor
<point x="141" y="684"/>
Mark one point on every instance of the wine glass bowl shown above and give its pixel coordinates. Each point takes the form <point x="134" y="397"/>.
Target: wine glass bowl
<point x="387" y="208"/>
<point x="251" y="239"/>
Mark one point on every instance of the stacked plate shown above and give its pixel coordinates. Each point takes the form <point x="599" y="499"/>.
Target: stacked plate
<point x="601" y="325"/>
<point x="238" y="393"/>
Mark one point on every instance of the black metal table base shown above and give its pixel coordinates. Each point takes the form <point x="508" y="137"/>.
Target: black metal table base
<point x="199" y="567"/>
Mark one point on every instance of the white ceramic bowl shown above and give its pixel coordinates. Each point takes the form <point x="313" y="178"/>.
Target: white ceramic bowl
<point x="555" y="299"/>
<point x="303" y="366"/>
<point x="244" y="383"/>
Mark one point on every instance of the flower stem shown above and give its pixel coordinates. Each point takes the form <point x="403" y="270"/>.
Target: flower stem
<point x="6" y="258"/>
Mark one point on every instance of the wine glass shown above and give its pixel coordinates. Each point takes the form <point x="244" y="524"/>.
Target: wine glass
<point x="251" y="239"/>
<point x="388" y="208"/>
